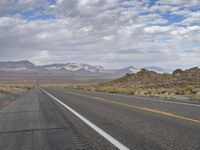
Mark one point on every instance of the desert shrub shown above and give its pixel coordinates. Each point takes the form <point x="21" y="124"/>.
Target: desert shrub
<point x="190" y="90"/>
<point x="15" y="88"/>
<point x="131" y="92"/>
<point x="112" y="89"/>
<point x="30" y="87"/>
<point x="164" y="91"/>
<point x="195" y="97"/>
<point x="2" y="91"/>
<point x="187" y="90"/>
<point x="179" y="91"/>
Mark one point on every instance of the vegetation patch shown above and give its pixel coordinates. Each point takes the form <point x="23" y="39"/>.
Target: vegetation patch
<point x="195" y="97"/>
<point x="185" y="84"/>
<point x="11" y="92"/>
<point x="189" y="92"/>
<point x="15" y="89"/>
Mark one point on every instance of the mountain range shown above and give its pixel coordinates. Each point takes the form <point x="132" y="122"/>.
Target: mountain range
<point x="68" y="69"/>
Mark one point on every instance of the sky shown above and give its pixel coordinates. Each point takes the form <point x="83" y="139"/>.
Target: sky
<point x="111" y="33"/>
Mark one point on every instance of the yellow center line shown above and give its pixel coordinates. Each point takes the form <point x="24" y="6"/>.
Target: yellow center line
<point x="140" y="108"/>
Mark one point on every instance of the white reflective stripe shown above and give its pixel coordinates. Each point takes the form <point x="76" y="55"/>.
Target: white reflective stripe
<point x="112" y="140"/>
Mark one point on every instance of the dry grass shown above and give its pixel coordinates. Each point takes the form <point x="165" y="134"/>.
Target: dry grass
<point x="11" y="92"/>
<point x="187" y="91"/>
<point x="15" y="89"/>
<point x="195" y="97"/>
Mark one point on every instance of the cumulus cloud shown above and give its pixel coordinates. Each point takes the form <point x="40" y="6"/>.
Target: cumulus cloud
<point x="180" y="2"/>
<point x="8" y="7"/>
<point x="113" y="33"/>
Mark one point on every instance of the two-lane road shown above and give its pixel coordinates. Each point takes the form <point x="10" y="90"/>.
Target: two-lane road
<point x="69" y="119"/>
<point x="138" y="123"/>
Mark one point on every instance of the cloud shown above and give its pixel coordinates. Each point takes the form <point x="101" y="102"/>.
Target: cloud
<point x="12" y="7"/>
<point x="180" y="2"/>
<point x="113" y="33"/>
<point x="191" y="18"/>
<point x="157" y="29"/>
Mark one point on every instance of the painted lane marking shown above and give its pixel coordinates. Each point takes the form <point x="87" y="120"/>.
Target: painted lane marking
<point x="111" y="139"/>
<point x="150" y="99"/>
<point x="140" y="108"/>
<point x="165" y="101"/>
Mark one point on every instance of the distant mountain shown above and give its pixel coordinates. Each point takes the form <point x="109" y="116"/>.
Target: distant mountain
<point x="68" y="69"/>
<point x="152" y="79"/>
<point x="126" y="70"/>
<point x="158" y="69"/>
<point x="74" y="67"/>
<point x="26" y="67"/>
<point x="16" y="66"/>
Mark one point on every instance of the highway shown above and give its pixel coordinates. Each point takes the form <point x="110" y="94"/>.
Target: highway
<point x="62" y="119"/>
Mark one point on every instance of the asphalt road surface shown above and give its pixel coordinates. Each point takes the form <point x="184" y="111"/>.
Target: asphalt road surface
<point x="61" y="119"/>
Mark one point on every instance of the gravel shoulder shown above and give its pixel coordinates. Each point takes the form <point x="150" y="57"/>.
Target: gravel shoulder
<point x="6" y="99"/>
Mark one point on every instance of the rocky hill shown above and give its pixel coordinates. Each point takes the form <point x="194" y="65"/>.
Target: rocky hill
<point x="148" y="79"/>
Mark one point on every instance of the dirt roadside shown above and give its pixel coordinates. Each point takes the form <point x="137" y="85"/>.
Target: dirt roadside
<point x="6" y="99"/>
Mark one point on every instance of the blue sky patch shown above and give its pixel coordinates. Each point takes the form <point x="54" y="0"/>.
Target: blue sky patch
<point x="32" y="15"/>
<point x="172" y="18"/>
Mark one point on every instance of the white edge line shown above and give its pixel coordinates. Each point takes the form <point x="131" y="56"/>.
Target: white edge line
<point x="112" y="140"/>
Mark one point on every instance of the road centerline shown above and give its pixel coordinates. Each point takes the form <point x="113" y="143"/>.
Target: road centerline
<point x="151" y="99"/>
<point x="164" y="101"/>
<point x="169" y="114"/>
<point x="111" y="139"/>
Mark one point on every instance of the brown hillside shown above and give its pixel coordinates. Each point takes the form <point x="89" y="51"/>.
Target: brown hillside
<point x="145" y="78"/>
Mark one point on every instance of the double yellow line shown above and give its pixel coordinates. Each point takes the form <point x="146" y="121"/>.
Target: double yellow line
<point x="140" y="108"/>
